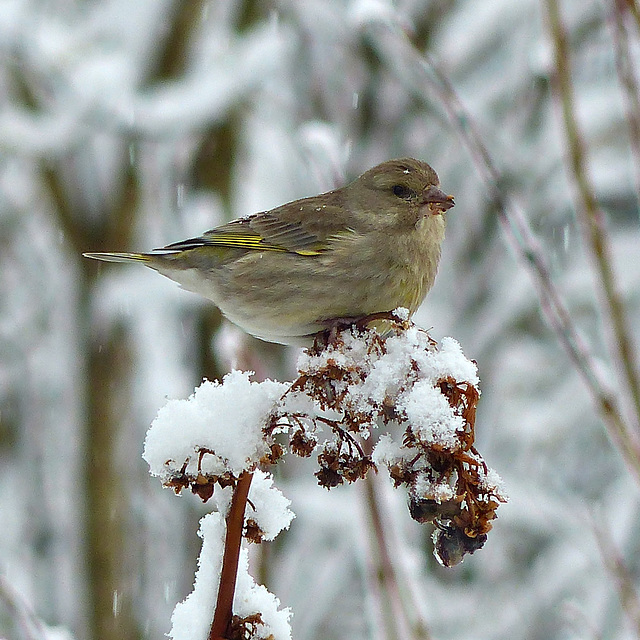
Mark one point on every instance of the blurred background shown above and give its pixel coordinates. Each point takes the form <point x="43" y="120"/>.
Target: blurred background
<point x="130" y="125"/>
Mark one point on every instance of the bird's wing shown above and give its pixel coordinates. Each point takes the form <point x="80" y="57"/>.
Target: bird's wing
<point x="236" y="234"/>
<point x="277" y="230"/>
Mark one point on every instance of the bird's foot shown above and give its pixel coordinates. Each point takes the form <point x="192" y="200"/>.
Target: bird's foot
<point x="383" y="321"/>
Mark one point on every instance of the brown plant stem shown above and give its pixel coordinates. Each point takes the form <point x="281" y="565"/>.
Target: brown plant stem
<point x="592" y="215"/>
<point x="385" y="572"/>
<point x="387" y="575"/>
<point x="233" y="541"/>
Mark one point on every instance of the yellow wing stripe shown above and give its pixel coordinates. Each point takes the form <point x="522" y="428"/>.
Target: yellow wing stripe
<point x="244" y="241"/>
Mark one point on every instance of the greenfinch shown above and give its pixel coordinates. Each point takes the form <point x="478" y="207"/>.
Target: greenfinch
<point x="287" y="274"/>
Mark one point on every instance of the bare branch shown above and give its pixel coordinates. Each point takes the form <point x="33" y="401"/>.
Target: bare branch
<point x="628" y="81"/>
<point x="589" y="211"/>
<point x="620" y="575"/>
<point x="420" y="75"/>
<point x="387" y="574"/>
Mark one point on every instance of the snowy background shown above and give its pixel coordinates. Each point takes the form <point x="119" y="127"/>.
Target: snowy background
<point x="129" y="125"/>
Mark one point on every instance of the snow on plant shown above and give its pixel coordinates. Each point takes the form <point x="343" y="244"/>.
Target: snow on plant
<point x="363" y="400"/>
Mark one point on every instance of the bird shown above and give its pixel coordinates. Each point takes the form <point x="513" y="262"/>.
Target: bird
<point x="288" y="274"/>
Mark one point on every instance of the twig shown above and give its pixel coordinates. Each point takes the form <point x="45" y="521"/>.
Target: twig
<point x="420" y="75"/>
<point x="635" y="12"/>
<point x="30" y="626"/>
<point x="387" y="574"/>
<point x="628" y="80"/>
<point x="591" y="213"/>
<point x="614" y="563"/>
<point x="226" y="590"/>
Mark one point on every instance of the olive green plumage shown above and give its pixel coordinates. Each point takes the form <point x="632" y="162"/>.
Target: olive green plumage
<point x="285" y="274"/>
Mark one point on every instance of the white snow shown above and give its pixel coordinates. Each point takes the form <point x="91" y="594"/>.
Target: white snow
<point x="431" y="415"/>
<point x="387" y="451"/>
<point x="268" y="506"/>
<point x="406" y="375"/>
<point x="252" y="598"/>
<point x="191" y="619"/>
<point x="427" y="488"/>
<point x="226" y="419"/>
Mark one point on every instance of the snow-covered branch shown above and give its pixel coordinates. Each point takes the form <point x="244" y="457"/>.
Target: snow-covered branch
<point x="412" y="401"/>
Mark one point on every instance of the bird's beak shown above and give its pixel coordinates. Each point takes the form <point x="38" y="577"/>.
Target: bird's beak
<point x="437" y="201"/>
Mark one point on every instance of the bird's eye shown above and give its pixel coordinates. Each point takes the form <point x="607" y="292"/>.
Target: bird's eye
<point x="401" y="191"/>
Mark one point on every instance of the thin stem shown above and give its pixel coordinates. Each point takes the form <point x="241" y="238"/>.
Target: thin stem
<point x="614" y="563"/>
<point x="233" y="541"/>
<point x="628" y="80"/>
<point x="633" y="9"/>
<point x="591" y="213"/>
<point x="387" y="575"/>
<point x="31" y="628"/>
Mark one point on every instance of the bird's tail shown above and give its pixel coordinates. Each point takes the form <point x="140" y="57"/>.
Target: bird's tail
<point x="119" y="257"/>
